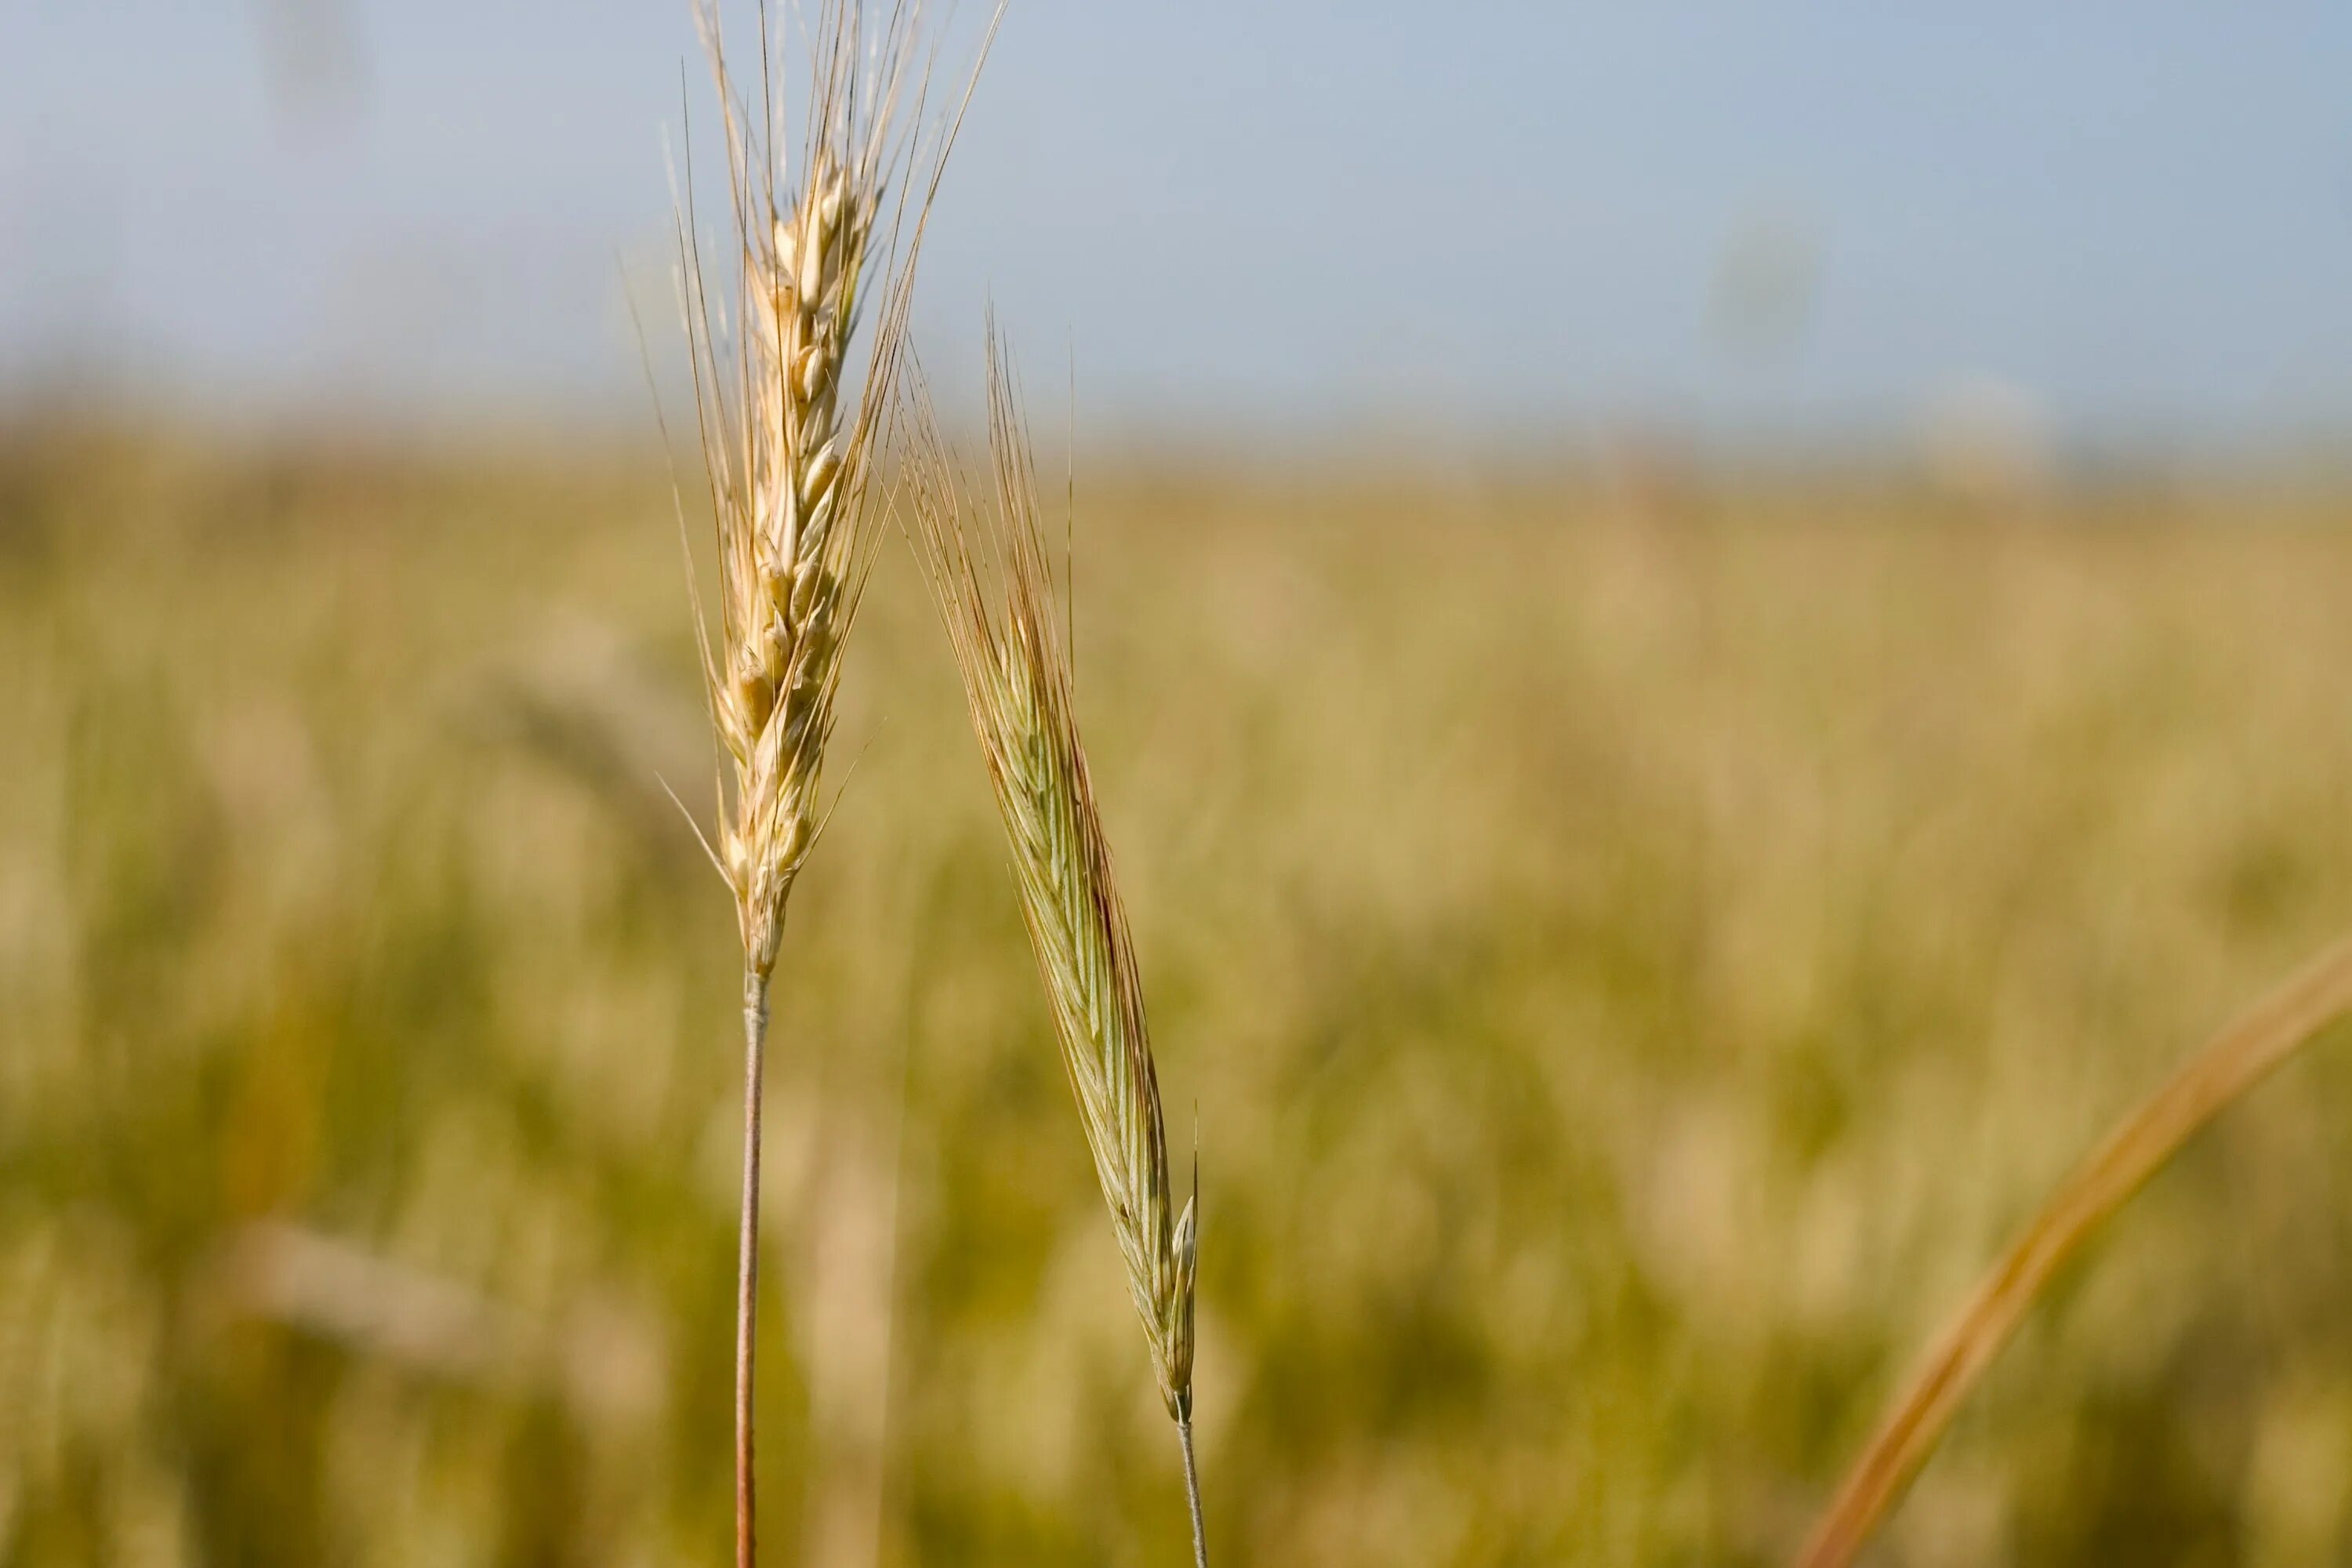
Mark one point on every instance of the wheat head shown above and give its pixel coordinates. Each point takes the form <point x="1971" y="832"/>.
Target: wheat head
<point x="788" y="445"/>
<point x="788" y="450"/>
<point x="998" y="604"/>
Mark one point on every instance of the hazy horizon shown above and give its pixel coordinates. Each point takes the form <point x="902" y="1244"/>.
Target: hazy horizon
<point x="2119" y="224"/>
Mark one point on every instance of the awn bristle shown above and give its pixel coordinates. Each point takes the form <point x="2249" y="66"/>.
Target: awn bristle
<point x="1001" y="618"/>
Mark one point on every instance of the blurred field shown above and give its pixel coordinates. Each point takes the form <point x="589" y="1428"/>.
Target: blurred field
<point x="1636" y="949"/>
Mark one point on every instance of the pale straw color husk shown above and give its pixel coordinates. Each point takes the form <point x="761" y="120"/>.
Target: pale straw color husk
<point x="825" y="230"/>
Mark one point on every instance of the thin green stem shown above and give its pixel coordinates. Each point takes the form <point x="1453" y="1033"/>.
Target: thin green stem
<point x="747" y="1258"/>
<point x="1192" y="1494"/>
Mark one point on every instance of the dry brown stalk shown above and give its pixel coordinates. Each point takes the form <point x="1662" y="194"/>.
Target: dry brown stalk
<point x="999" y="608"/>
<point x="2240" y="1057"/>
<point x="787" y="448"/>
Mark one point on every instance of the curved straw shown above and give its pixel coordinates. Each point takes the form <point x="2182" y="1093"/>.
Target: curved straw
<point x="2232" y="1062"/>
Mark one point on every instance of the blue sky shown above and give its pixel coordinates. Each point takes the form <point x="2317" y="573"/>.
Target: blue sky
<point x="1252" y="220"/>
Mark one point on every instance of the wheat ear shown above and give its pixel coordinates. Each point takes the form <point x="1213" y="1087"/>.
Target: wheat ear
<point x="788" y="452"/>
<point x="998" y="605"/>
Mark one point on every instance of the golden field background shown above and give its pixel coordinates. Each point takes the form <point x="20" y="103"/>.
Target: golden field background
<point x="1635" y="942"/>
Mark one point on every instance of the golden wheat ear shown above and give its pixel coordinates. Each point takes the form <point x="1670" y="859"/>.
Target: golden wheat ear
<point x="795" y="367"/>
<point x="826" y="227"/>
<point x="991" y="577"/>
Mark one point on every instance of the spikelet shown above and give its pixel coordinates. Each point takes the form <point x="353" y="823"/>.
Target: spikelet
<point x="1000" y="617"/>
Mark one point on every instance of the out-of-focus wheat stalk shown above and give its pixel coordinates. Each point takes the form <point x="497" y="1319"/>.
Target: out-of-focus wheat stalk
<point x="2216" y="1077"/>
<point x="997" y="601"/>
<point x="787" y="448"/>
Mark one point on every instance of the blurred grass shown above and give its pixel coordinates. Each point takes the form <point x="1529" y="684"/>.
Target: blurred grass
<point x="1635" y="952"/>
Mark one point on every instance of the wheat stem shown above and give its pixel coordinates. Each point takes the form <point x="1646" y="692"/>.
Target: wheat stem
<point x="747" y="1261"/>
<point x="2244" y="1053"/>
<point x="1192" y="1494"/>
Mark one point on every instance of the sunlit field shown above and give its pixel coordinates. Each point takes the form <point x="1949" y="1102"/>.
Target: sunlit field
<point x="1632" y="941"/>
